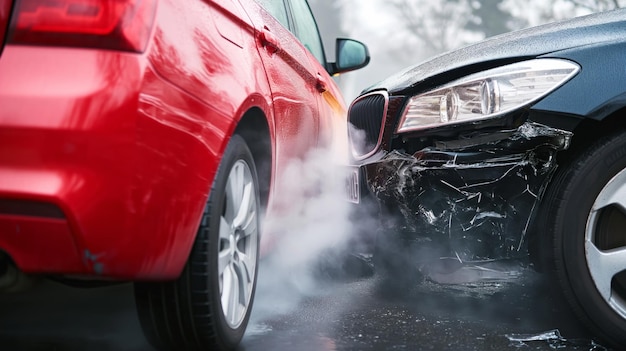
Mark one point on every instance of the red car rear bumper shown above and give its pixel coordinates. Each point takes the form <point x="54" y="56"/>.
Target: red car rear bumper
<point x="97" y="176"/>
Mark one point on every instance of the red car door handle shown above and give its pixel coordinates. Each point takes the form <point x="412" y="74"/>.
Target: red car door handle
<point x="320" y="84"/>
<point x="269" y="41"/>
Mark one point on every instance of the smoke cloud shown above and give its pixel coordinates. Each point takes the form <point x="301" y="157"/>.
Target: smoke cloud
<point x="313" y="235"/>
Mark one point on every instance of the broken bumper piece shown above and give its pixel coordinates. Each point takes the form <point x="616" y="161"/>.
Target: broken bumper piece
<point x="472" y="197"/>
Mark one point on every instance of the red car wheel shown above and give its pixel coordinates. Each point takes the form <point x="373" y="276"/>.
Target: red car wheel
<point x="209" y="305"/>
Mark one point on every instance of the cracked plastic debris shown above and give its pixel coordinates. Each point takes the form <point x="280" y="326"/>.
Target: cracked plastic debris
<point x="554" y="339"/>
<point x="453" y="271"/>
<point x="475" y="200"/>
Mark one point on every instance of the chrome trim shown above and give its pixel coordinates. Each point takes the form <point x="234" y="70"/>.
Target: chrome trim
<point x="385" y="94"/>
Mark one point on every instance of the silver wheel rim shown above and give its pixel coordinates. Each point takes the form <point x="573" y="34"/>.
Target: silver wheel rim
<point x="238" y="240"/>
<point x="605" y="263"/>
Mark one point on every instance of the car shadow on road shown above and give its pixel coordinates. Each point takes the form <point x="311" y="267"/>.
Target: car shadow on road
<point x="60" y="318"/>
<point x="529" y="304"/>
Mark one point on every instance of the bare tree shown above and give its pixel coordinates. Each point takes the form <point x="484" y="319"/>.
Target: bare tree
<point x="423" y="28"/>
<point x="535" y="12"/>
<point x="598" y="5"/>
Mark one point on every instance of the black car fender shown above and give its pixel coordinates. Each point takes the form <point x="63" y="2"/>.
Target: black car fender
<point x="603" y="72"/>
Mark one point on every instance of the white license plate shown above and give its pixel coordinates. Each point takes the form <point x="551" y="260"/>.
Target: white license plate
<point x="353" y="187"/>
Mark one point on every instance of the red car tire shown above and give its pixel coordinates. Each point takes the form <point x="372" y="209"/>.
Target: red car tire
<point x="209" y="306"/>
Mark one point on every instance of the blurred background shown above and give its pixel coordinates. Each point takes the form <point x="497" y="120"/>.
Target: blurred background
<point x="400" y="33"/>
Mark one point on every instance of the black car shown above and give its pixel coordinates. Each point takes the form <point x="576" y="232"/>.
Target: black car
<point x="512" y="147"/>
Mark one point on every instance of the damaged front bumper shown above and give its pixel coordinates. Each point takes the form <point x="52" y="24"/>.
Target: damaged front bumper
<point x="473" y="199"/>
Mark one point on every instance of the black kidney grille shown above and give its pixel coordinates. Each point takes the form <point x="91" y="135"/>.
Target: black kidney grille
<point x="367" y="114"/>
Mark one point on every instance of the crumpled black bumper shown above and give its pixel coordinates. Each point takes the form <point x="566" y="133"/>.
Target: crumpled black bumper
<point x="474" y="197"/>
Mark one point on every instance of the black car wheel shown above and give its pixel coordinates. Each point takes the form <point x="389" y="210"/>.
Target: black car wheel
<point x="585" y="210"/>
<point x="209" y="306"/>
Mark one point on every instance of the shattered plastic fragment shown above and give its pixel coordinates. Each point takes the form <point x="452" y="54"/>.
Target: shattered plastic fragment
<point x="453" y="271"/>
<point x="554" y="339"/>
<point x="473" y="274"/>
<point x="554" y="334"/>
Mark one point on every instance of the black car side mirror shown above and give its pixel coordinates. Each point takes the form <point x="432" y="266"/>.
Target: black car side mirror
<point x="350" y="55"/>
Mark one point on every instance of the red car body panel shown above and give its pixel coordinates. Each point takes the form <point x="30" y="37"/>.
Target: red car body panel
<point x="120" y="149"/>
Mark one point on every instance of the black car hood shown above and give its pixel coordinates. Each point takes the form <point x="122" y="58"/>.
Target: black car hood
<point x="527" y="43"/>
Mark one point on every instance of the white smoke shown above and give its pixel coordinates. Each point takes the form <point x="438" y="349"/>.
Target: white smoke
<point x="314" y="226"/>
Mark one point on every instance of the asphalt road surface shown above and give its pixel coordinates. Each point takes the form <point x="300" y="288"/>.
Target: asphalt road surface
<point x="317" y="312"/>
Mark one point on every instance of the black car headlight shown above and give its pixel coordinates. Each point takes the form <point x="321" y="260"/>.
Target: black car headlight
<point x="486" y="94"/>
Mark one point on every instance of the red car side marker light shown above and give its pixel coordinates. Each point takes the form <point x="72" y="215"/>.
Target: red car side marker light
<point x="108" y="24"/>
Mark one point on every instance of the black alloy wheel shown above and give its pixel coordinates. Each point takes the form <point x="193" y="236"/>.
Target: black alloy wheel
<point x="584" y="215"/>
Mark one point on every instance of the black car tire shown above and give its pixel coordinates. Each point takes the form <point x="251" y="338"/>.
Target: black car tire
<point x="584" y="228"/>
<point x="189" y="313"/>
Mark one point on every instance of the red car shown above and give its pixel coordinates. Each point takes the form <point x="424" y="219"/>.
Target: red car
<point x="140" y="141"/>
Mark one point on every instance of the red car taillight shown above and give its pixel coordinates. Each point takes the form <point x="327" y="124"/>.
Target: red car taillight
<point x="108" y="24"/>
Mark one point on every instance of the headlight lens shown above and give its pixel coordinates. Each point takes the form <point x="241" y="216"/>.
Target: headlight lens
<point x="486" y="94"/>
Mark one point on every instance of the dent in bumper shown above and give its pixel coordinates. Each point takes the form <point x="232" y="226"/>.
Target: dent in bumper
<point x="473" y="197"/>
